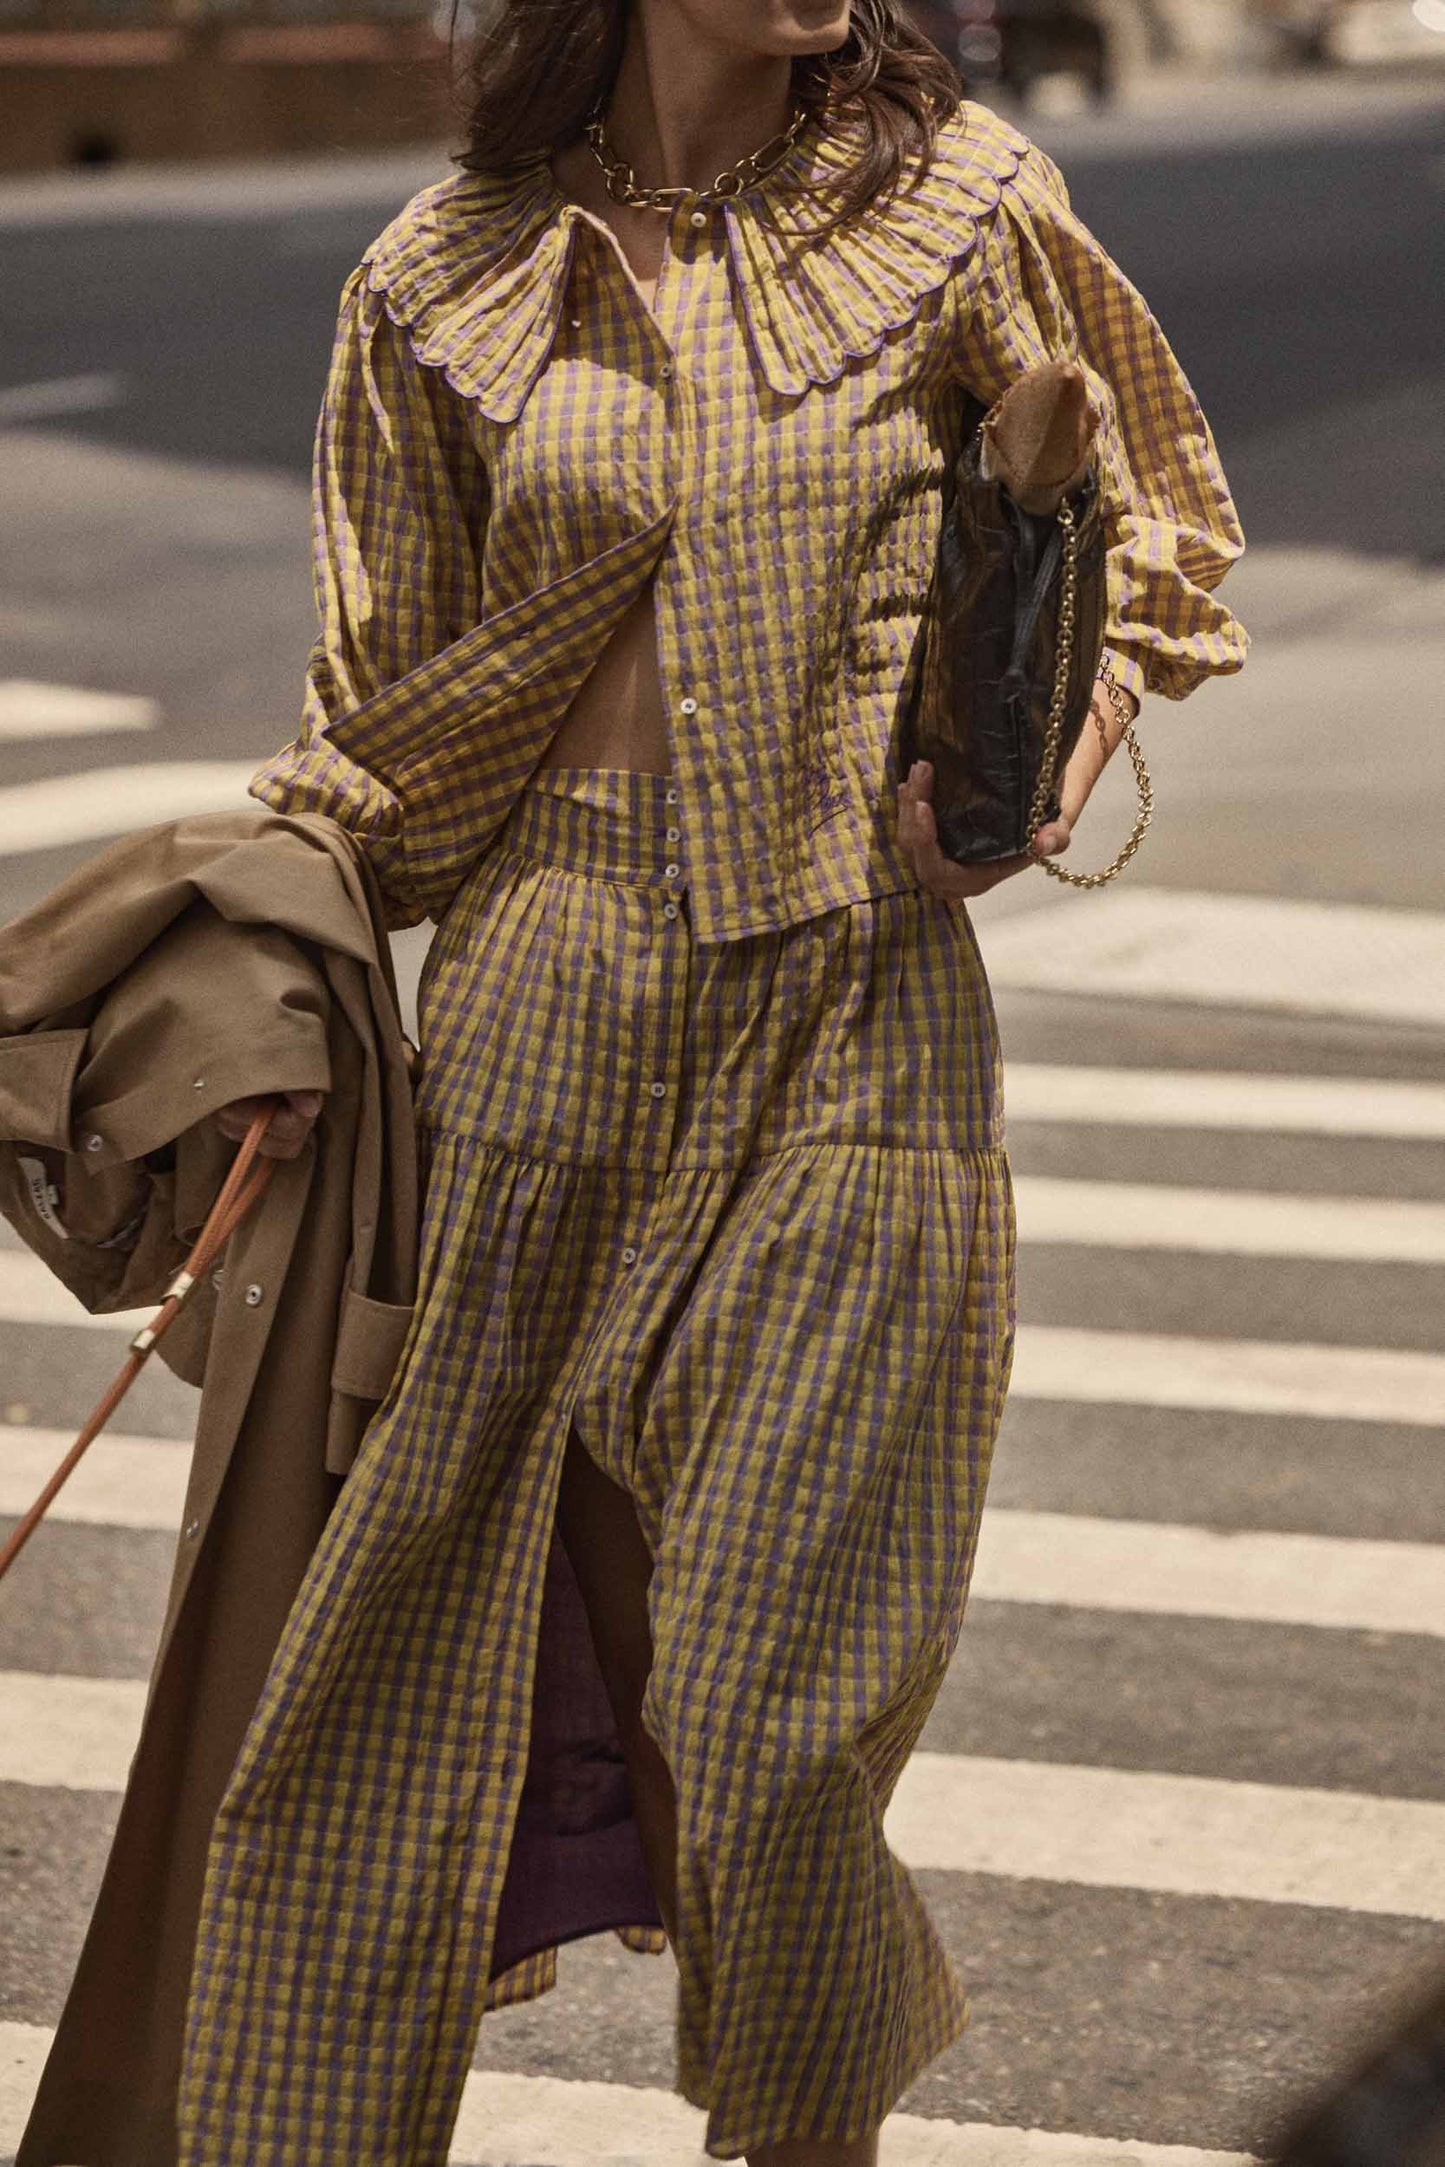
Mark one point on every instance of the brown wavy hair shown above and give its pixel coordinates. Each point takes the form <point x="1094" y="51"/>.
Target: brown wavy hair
<point x="538" y="69"/>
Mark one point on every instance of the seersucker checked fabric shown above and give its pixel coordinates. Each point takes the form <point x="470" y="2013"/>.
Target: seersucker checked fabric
<point x="512" y="444"/>
<point x="740" y="1211"/>
<point x="711" y="1127"/>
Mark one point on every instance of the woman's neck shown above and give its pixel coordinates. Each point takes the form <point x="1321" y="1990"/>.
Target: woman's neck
<point x="683" y="112"/>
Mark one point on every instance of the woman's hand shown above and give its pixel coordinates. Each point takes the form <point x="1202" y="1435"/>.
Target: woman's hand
<point x="918" y="836"/>
<point x="918" y="830"/>
<point x="289" y="1127"/>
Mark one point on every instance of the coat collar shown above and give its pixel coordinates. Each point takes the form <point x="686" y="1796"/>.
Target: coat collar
<point x="476" y="267"/>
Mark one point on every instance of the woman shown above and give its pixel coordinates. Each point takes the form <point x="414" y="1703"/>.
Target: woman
<point x="625" y="512"/>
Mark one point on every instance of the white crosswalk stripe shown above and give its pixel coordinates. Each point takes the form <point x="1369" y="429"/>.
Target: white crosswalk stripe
<point x="1230" y="1222"/>
<point x="1023" y="1557"/>
<point x="1051" y="1362"/>
<point x="1211" y="1099"/>
<point x="119" y="1481"/>
<point x="560" y="2124"/>
<point x="1193" y="1835"/>
<point x="112" y="801"/>
<point x="557" y="2122"/>
<point x="1234" y="951"/>
<point x="28" y="709"/>
<point x="957" y="1813"/>
<point x="73" y="1734"/>
<point x="1318" y="1580"/>
<point x="1239" y="1376"/>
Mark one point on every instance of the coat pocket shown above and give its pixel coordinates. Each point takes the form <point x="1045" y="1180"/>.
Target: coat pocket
<point x="369" y="1341"/>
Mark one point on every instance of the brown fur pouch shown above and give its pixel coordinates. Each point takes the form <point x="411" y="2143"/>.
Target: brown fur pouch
<point x="1037" y="439"/>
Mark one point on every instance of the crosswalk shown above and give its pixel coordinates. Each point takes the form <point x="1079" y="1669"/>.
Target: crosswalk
<point x="1173" y="1892"/>
<point x="1023" y="1557"/>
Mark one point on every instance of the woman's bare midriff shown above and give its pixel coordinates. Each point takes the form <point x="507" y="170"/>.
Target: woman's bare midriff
<point x="616" y="718"/>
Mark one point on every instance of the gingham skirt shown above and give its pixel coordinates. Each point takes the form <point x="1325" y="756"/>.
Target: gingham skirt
<point x="741" y="1213"/>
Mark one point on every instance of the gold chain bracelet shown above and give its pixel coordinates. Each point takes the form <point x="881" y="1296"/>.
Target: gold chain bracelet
<point x="1053" y="735"/>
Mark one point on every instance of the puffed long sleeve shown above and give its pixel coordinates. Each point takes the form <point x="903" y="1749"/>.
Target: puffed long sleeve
<point x="399" y="508"/>
<point x="1042" y="286"/>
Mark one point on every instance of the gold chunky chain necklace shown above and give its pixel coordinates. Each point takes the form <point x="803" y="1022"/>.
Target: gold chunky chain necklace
<point x="623" y="186"/>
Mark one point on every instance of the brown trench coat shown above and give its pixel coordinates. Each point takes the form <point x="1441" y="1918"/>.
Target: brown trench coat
<point x="187" y="965"/>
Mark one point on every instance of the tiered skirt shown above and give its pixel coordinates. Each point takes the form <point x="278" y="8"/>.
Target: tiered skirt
<point x="740" y="1213"/>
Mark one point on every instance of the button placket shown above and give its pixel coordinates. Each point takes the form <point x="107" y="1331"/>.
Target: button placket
<point x="661" y="1055"/>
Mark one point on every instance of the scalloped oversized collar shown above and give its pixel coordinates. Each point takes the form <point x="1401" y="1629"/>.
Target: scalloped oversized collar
<point x="475" y="267"/>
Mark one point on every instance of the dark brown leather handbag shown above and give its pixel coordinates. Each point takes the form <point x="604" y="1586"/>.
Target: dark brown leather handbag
<point x="1013" y="628"/>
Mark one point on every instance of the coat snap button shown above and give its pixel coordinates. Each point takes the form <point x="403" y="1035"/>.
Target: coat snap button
<point x="193" y="1529"/>
<point x="255" y="1293"/>
<point x="94" y="1143"/>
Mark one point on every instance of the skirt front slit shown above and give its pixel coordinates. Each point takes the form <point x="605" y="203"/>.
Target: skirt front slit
<point x="740" y="1214"/>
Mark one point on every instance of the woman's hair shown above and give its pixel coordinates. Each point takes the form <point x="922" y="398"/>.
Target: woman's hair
<point x="540" y="66"/>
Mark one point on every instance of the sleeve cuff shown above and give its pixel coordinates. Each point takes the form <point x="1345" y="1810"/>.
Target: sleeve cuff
<point x="1128" y="673"/>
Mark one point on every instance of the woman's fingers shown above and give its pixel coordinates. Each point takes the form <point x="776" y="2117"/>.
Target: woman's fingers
<point x="290" y="1124"/>
<point x="939" y="874"/>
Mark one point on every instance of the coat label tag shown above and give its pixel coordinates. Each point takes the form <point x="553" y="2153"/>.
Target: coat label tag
<point x="44" y="1195"/>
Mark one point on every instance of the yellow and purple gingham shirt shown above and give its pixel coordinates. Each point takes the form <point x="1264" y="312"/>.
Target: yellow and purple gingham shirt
<point x="512" y="444"/>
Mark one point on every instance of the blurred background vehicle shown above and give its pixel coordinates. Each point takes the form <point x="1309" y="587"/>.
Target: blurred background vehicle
<point x="1345" y="32"/>
<point x="1013" y="44"/>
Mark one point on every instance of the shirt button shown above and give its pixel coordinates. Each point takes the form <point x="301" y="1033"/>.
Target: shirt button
<point x="672" y="797"/>
<point x="665" y="372"/>
<point x="658" y="1090"/>
<point x="669" y="910"/>
<point x="689" y="705"/>
<point x="670" y="872"/>
<point x="629" y="1256"/>
<point x="699" y="218"/>
<point x="673" y="835"/>
<point x="575" y="322"/>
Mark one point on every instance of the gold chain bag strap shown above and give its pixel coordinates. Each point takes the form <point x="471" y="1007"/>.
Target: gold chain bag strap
<point x="1045" y="787"/>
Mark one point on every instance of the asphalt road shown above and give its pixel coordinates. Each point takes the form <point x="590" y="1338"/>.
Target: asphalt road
<point x="1210" y="1581"/>
<point x="1298" y="277"/>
